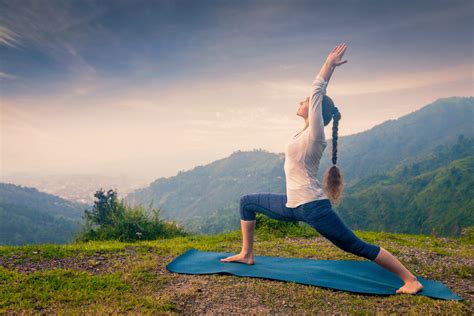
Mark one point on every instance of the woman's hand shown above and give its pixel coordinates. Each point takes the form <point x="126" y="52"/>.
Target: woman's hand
<point x="335" y="56"/>
<point x="333" y="60"/>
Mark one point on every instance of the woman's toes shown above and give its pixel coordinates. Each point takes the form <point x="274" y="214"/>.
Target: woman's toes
<point x="230" y="258"/>
<point x="410" y="288"/>
<point x="238" y="258"/>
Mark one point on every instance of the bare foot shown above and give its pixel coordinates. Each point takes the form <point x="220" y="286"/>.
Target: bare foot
<point x="410" y="287"/>
<point x="248" y="259"/>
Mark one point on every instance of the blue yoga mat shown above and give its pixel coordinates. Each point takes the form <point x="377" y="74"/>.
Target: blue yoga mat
<point x="364" y="277"/>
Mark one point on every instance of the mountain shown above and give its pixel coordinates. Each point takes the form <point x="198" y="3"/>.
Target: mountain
<point x="413" y="135"/>
<point x="434" y="194"/>
<point x="205" y="199"/>
<point x="28" y="216"/>
<point x="204" y="189"/>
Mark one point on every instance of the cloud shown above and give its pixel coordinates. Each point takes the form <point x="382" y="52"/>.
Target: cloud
<point x="370" y="82"/>
<point x="59" y="30"/>
<point x="207" y="81"/>
<point x="8" y="37"/>
<point x="4" y="75"/>
<point x="388" y="82"/>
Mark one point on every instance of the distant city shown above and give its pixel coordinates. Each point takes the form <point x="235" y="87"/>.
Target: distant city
<point x="77" y="187"/>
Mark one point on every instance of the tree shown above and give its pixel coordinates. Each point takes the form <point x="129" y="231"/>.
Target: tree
<point x="106" y="209"/>
<point x="111" y="218"/>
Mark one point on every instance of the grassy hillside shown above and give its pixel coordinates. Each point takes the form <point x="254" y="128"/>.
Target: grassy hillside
<point x="28" y="216"/>
<point x="113" y="277"/>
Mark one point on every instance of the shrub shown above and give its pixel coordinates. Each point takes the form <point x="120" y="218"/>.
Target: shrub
<point x="111" y="218"/>
<point x="269" y="226"/>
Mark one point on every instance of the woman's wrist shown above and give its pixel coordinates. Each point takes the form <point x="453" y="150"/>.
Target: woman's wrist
<point x="330" y="64"/>
<point x="326" y="71"/>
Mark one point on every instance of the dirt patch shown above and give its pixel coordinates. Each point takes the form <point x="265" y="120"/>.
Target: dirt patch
<point x="219" y="294"/>
<point x="98" y="263"/>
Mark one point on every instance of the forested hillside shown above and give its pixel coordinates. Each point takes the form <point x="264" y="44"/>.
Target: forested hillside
<point x="432" y="195"/>
<point x="205" y="199"/>
<point x="28" y="216"/>
<point x="205" y="189"/>
<point x="409" y="137"/>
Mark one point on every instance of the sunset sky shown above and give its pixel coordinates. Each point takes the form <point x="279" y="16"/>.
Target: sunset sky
<point x="148" y="88"/>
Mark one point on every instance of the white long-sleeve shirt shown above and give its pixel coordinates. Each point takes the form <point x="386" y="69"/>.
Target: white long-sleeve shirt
<point x="304" y="151"/>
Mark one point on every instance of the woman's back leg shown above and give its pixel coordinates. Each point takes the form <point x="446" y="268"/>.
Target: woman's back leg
<point x="331" y="226"/>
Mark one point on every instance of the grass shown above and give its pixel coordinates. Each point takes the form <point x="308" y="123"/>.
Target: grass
<point x="115" y="277"/>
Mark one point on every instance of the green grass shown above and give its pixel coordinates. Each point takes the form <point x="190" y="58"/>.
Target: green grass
<point x="131" y="277"/>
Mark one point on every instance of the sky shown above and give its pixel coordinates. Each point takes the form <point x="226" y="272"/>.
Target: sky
<point x="150" y="88"/>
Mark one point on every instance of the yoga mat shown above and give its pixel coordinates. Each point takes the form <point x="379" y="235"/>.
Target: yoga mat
<point x="364" y="277"/>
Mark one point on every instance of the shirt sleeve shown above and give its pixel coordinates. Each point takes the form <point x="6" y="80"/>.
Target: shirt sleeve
<point x="315" y="109"/>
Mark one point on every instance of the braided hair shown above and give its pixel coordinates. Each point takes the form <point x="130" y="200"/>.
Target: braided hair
<point x="333" y="183"/>
<point x="336" y="116"/>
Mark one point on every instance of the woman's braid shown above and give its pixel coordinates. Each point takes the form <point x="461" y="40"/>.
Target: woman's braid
<point x="333" y="179"/>
<point x="335" y="126"/>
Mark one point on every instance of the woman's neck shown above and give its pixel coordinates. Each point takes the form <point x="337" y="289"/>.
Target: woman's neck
<point x="301" y="131"/>
<point x="306" y="126"/>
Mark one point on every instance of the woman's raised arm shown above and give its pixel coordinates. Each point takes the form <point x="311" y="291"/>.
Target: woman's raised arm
<point x="318" y="90"/>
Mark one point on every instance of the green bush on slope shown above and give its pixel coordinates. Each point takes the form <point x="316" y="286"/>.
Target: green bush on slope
<point x="111" y="218"/>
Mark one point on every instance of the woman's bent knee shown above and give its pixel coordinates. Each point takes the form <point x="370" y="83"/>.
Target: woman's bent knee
<point x="243" y="199"/>
<point x="245" y="213"/>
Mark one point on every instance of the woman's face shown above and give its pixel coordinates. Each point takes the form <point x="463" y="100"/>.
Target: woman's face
<point x="303" y="108"/>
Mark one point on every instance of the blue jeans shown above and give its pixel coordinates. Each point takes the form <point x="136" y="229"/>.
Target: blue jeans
<point x="318" y="214"/>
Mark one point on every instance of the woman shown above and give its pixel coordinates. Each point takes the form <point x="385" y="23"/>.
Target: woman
<point x="305" y="200"/>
